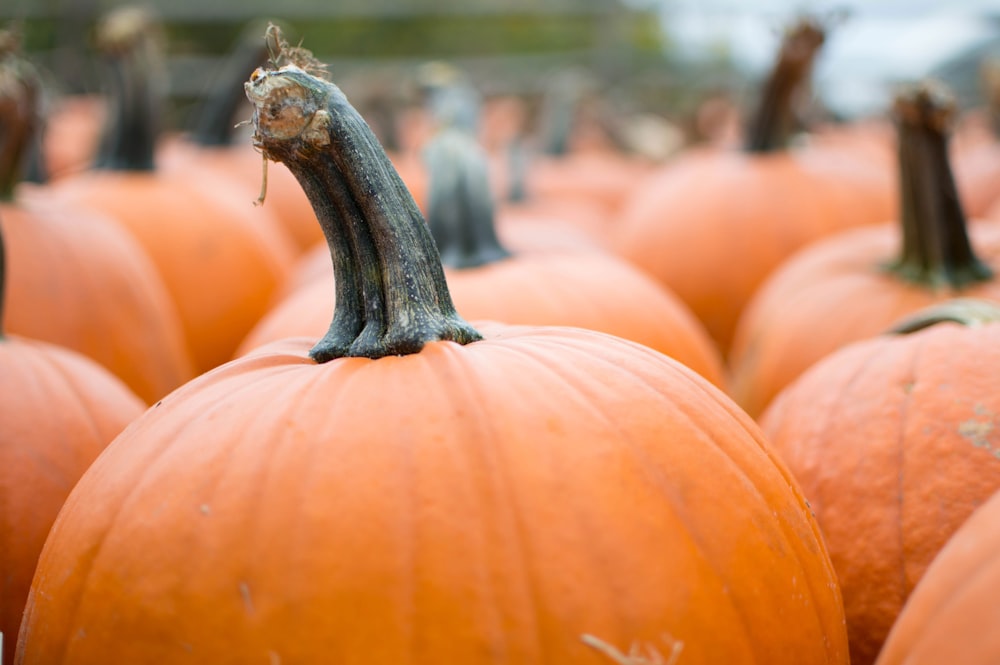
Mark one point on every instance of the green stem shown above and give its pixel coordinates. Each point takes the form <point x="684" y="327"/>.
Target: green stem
<point x="20" y="93"/>
<point x="772" y="124"/>
<point x="130" y="41"/>
<point x="391" y="297"/>
<point x="215" y="122"/>
<point x="936" y="251"/>
<point x="460" y="209"/>
<point x="969" y="312"/>
<point x="990" y="72"/>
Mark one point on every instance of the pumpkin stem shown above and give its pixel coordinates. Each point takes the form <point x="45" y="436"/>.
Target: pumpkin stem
<point x="214" y="124"/>
<point x="3" y="280"/>
<point x="936" y="251"/>
<point x="460" y="209"/>
<point x="990" y="73"/>
<point x="20" y="122"/>
<point x="969" y="312"/>
<point x="772" y="124"/>
<point x="558" y="113"/>
<point x="130" y="40"/>
<point x="391" y="294"/>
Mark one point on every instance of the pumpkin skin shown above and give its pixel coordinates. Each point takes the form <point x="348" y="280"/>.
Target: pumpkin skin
<point x="952" y="614"/>
<point x="77" y="280"/>
<point x="58" y="410"/>
<point x="465" y="504"/>
<point x="894" y="442"/>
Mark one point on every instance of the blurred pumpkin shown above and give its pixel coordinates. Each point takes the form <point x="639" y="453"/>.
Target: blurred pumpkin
<point x="58" y="409"/>
<point x="75" y="279"/>
<point x="712" y="224"/>
<point x="219" y="264"/>
<point x="854" y="285"/>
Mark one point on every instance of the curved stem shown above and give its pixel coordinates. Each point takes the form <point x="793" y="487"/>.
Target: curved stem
<point x="391" y="292"/>
<point x="129" y="39"/>
<point x="772" y="123"/>
<point x="460" y="209"/>
<point x="214" y="124"/>
<point x="936" y="251"/>
<point x="969" y="312"/>
<point x="20" y="93"/>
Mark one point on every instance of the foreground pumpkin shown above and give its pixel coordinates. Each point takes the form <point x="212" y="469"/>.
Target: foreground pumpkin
<point x="855" y="284"/>
<point x="411" y="490"/>
<point x="712" y="225"/>
<point x="894" y="441"/>
<point x="952" y="615"/>
<point x="58" y="409"/>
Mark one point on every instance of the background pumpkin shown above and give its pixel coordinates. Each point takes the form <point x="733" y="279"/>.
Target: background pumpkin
<point x="854" y="285"/>
<point x="74" y="278"/>
<point x="894" y="442"/>
<point x="410" y="503"/>
<point x="712" y="224"/>
<point x="58" y="409"/>
<point x="219" y="263"/>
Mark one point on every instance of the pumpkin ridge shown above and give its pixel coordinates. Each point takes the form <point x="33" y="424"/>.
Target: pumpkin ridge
<point x="757" y="434"/>
<point x="661" y="485"/>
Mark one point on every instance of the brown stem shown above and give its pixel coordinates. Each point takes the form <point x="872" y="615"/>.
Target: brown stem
<point x="936" y="251"/>
<point x="772" y="123"/>
<point x="20" y="93"/>
<point x="969" y="312"/>
<point x="990" y="74"/>
<point x="130" y="40"/>
<point x="460" y="209"/>
<point x="3" y="280"/>
<point x="391" y="297"/>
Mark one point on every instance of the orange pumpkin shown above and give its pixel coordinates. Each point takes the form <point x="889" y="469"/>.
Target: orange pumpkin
<point x="414" y="490"/>
<point x="58" y="409"/>
<point x="76" y="279"/>
<point x="952" y="615"/>
<point x="893" y="440"/>
<point x="854" y="285"/>
<point x="712" y="224"/>
<point x="219" y="264"/>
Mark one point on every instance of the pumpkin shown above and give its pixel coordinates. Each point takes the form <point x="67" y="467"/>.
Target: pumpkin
<point x="58" y="409"/>
<point x="76" y="279"/>
<point x="712" y="224"/>
<point x="952" y="615"/>
<point x="219" y="264"/>
<point x="413" y="489"/>
<point x="216" y="144"/>
<point x="894" y="442"/>
<point x="854" y="285"/>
